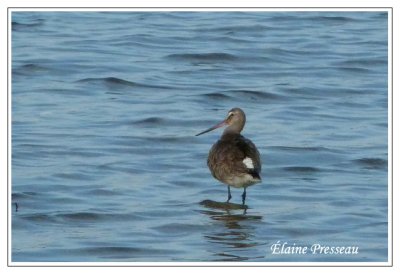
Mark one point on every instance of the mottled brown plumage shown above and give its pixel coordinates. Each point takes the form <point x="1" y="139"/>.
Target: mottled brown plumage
<point x="234" y="160"/>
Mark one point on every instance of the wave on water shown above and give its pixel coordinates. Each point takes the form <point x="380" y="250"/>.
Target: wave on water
<point x="372" y="163"/>
<point x="363" y="62"/>
<point x="204" y="57"/>
<point x="73" y="176"/>
<point x="242" y="95"/>
<point x="29" y="69"/>
<point x="301" y="149"/>
<point x="353" y="69"/>
<point x="315" y="19"/>
<point x="15" y="26"/>
<point x="82" y="216"/>
<point x="308" y="92"/>
<point x="118" y="82"/>
<point x="23" y="195"/>
<point x="102" y="250"/>
<point x="77" y="217"/>
<point x="116" y="252"/>
<point x="39" y="218"/>
<point x="168" y="122"/>
<point x="302" y="169"/>
<point x="216" y="96"/>
<point x="332" y="19"/>
<point x="285" y="52"/>
<point x="150" y="121"/>
<point x="253" y="94"/>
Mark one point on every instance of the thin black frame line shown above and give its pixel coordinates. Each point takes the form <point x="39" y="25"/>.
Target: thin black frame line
<point x="8" y="142"/>
<point x="188" y="266"/>
<point x="270" y="265"/>
<point x="392" y="95"/>
<point x="127" y="7"/>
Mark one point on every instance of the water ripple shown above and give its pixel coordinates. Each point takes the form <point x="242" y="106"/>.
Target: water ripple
<point x="114" y="82"/>
<point x="302" y="169"/>
<point x="204" y="57"/>
<point x="17" y="26"/>
<point x="372" y="163"/>
<point x="30" y="69"/>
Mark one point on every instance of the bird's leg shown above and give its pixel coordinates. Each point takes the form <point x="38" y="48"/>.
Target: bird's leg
<point x="229" y="194"/>
<point x="244" y="196"/>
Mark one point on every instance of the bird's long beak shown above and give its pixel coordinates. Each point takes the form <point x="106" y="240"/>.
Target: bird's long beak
<point x="223" y="123"/>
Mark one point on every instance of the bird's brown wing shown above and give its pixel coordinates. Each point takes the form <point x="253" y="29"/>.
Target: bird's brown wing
<point x="226" y="158"/>
<point x="250" y="150"/>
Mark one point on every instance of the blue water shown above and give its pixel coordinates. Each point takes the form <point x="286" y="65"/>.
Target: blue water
<point x="105" y="106"/>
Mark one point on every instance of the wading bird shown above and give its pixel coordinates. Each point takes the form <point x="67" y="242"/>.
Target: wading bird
<point x="233" y="159"/>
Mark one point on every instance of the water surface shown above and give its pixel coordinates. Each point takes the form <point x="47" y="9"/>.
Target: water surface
<point x="105" y="106"/>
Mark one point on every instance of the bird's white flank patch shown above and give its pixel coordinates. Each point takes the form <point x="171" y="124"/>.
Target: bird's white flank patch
<point x="248" y="162"/>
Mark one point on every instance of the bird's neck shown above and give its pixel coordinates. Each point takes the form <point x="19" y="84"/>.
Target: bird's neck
<point x="230" y="133"/>
<point x="233" y="129"/>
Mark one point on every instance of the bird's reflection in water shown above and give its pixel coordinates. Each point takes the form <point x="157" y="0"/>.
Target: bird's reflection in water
<point x="235" y="239"/>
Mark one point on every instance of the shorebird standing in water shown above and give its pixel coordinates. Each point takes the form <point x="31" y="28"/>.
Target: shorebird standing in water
<point x="233" y="159"/>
